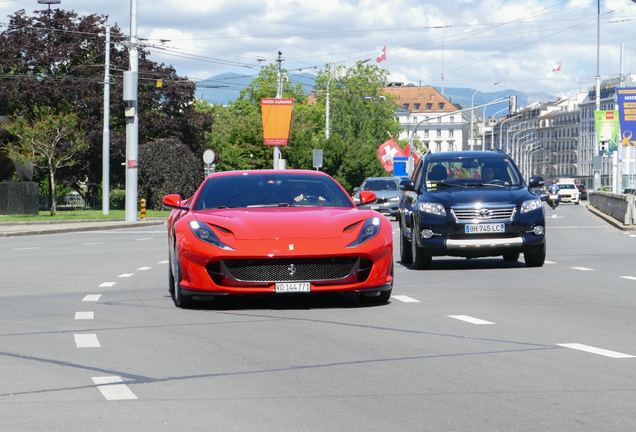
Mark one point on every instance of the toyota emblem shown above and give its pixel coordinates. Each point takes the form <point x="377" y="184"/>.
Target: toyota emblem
<point x="484" y="213"/>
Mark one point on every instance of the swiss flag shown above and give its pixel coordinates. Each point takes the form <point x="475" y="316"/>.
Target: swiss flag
<point x="386" y="153"/>
<point x="407" y="152"/>
<point x="382" y="55"/>
<point x="557" y="68"/>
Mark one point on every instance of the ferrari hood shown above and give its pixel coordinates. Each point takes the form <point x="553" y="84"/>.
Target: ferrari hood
<point x="284" y="223"/>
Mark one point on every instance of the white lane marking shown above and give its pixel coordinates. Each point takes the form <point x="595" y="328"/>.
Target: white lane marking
<point x="632" y="235"/>
<point x="126" y="275"/>
<point x="593" y="350"/>
<point x="582" y="268"/>
<point x="144" y="268"/>
<point x="91" y="244"/>
<point x="29" y="248"/>
<point x="580" y="227"/>
<point x="92" y="297"/>
<point x="549" y="262"/>
<point x="142" y="239"/>
<point x="84" y="315"/>
<point x="405" y="299"/>
<point x="470" y="319"/>
<point x="628" y="277"/>
<point x="113" y="391"/>
<point x="162" y="262"/>
<point x="86" y="341"/>
<point x="107" y="284"/>
<point x="128" y="232"/>
<point x="556" y="217"/>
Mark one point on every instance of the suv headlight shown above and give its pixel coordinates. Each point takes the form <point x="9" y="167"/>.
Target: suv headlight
<point x="205" y="233"/>
<point x="433" y="208"/>
<point x="530" y="205"/>
<point x="370" y="229"/>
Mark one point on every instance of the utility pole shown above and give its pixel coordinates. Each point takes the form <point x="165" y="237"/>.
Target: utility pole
<point x="132" y="120"/>
<point x="106" y="139"/>
<point x="279" y="95"/>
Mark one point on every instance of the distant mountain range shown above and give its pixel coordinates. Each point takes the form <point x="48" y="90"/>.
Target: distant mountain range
<point x="225" y="87"/>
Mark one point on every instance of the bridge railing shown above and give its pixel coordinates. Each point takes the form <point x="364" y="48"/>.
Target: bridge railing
<point x="621" y="207"/>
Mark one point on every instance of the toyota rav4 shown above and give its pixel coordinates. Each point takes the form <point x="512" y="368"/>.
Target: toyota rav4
<point x="470" y="204"/>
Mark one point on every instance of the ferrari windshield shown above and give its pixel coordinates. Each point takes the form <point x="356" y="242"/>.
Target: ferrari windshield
<point x="271" y="190"/>
<point x="472" y="172"/>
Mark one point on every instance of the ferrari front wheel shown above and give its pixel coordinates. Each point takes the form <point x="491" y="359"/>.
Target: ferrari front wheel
<point x="177" y="296"/>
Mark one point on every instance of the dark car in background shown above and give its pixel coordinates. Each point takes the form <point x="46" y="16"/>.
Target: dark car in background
<point x="582" y="192"/>
<point x="387" y="191"/>
<point x="470" y="204"/>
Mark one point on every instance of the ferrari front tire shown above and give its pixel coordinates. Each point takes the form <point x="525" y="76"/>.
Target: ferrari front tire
<point x="179" y="299"/>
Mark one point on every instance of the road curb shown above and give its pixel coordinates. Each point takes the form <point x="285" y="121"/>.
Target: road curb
<point x="95" y="227"/>
<point x="609" y="219"/>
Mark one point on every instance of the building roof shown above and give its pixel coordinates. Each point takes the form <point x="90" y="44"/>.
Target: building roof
<point x="420" y="99"/>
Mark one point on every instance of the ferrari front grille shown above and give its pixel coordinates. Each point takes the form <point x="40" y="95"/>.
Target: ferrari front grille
<point x="293" y="269"/>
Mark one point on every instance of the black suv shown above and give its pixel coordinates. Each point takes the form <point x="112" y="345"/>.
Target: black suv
<point x="470" y="204"/>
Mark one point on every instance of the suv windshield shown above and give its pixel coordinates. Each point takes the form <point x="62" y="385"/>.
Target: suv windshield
<point x="472" y="172"/>
<point x="270" y="190"/>
<point x="380" y="185"/>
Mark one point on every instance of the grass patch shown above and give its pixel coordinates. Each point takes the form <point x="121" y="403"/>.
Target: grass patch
<point x="45" y="216"/>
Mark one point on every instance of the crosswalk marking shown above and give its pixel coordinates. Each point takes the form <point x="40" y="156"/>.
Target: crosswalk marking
<point x="112" y="391"/>
<point x="582" y="268"/>
<point x="594" y="350"/>
<point x="405" y="299"/>
<point x="92" y="297"/>
<point x="107" y="284"/>
<point x="86" y="341"/>
<point x="84" y="315"/>
<point x="470" y="319"/>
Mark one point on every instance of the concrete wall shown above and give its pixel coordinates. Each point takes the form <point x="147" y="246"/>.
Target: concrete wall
<point x="621" y="207"/>
<point x="18" y="198"/>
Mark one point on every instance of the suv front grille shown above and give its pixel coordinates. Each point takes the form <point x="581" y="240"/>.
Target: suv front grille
<point x="463" y="214"/>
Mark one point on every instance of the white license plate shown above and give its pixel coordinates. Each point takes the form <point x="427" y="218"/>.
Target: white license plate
<point x="485" y="228"/>
<point x="286" y="287"/>
<point x="374" y="207"/>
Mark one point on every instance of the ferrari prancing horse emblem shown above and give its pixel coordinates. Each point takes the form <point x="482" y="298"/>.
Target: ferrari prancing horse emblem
<point x="291" y="247"/>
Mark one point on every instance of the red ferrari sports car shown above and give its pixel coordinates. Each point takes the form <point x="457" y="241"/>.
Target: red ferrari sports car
<point x="276" y="232"/>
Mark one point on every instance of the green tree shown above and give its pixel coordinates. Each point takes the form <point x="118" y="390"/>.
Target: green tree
<point x="52" y="141"/>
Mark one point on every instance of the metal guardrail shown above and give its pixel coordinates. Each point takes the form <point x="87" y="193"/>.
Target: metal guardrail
<point x="621" y="207"/>
<point x="76" y="202"/>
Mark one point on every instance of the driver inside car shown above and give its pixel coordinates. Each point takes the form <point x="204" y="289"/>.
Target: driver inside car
<point x="488" y="175"/>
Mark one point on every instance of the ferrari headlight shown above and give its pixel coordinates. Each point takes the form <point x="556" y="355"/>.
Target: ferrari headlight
<point x="433" y="208"/>
<point x="205" y="233"/>
<point x="370" y="229"/>
<point x="530" y="205"/>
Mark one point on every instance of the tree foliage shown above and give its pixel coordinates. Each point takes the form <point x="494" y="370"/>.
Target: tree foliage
<point x="57" y="60"/>
<point x="52" y="141"/>
<point x="167" y="166"/>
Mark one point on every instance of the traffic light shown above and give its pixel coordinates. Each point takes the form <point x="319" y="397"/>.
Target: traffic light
<point x="512" y="104"/>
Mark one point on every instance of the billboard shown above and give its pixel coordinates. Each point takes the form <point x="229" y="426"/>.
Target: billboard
<point x="277" y="116"/>
<point x="607" y="132"/>
<point x="627" y="110"/>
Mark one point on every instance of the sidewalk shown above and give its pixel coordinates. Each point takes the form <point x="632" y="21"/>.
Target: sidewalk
<point x="16" y="229"/>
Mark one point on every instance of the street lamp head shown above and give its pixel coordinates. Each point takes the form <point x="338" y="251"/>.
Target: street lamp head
<point x="49" y="2"/>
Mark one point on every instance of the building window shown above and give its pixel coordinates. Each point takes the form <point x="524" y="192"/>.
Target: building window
<point x="405" y="106"/>
<point x="452" y="119"/>
<point x="441" y="105"/>
<point x="429" y="106"/>
<point x="426" y="133"/>
<point x="438" y="146"/>
<point x="439" y="133"/>
<point x="416" y="106"/>
<point x="451" y="133"/>
<point x="451" y="146"/>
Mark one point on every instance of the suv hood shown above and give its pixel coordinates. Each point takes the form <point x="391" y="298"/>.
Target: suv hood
<point x="468" y="196"/>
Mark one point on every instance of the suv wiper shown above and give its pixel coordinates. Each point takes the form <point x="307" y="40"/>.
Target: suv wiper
<point x="488" y="185"/>
<point x="282" y="204"/>
<point x="443" y="182"/>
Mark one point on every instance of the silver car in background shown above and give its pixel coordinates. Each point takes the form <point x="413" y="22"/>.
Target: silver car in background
<point x="388" y="195"/>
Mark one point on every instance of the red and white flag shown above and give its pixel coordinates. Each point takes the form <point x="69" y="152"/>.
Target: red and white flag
<point x="407" y="152"/>
<point x="382" y="55"/>
<point x="557" y="68"/>
<point x="387" y="151"/>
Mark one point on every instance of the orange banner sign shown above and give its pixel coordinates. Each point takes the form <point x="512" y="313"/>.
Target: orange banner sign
<point x="277" y="115"/>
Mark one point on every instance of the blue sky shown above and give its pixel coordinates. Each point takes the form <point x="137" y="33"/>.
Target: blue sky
<point x="472" y="42"/>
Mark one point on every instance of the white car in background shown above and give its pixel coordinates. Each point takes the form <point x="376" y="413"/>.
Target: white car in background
<point x="569" y="191"/>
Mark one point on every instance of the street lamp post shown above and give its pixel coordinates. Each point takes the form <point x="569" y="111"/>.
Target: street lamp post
<point x="501" y="132"/>
<point x="492" y="135"/>
<point x="472" y="115"/>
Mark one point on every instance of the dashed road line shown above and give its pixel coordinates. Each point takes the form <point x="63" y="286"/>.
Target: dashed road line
<point x="144" y="268"/>
<point x="107" y="284"/>
<point x="628" y="277"/>
<point x="405" y="299"/>
<point x="470" y="319"/>
<point x="92" y="297"/>
<point x="594" y="350"/>
<point x="113" y="391"/>
<point x="162" y="262"/>
<point x="126" y="275"/>
<point x="92" y="244"/>
<point x="549" y="262"/>
<point x="86" y="341"/>
<point x="582" y="268"/>
<point x="143" y="239"/>
<point x="26" y="248"/>
<point x="84" y="315"/>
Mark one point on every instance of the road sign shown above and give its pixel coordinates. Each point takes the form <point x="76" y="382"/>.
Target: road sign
<point x="208" y="156"/>
<point x="317" y="159"/>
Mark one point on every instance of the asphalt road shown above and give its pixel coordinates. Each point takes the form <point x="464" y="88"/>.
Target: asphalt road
<point x="91" y="341"/>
